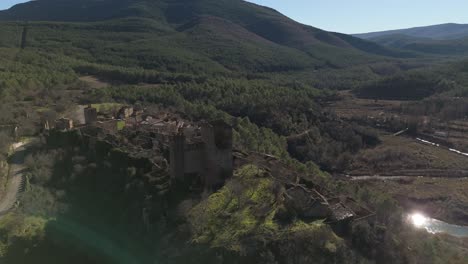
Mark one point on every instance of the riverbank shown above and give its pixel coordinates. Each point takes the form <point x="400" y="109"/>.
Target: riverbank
<point x="435" y="226"/>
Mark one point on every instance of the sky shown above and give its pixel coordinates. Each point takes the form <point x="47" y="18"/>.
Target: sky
<point x="359" y="16"/>
<point x="4" y="4"/>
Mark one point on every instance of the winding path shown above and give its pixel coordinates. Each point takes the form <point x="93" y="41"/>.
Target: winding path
<point x="15" y="177"/>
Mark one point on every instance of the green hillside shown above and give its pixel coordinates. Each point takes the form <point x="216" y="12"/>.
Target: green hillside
<point x="452" y="47"/>
<point x="268" y="76"/>
<point x="187" y="36"/>
<point x="441" y="40"/>
<point x="449" y="79"/>
<point x="436" y="32"/>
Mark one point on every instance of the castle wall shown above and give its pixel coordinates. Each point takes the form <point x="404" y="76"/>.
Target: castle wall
<point x="209" y="160"/>
<point x="224" y="142"/>
<point x="209" y="157"/>
<point x="102" y="150"/>
<point x="90" y="115"/>
<point x="64" y="124"/>
<point x="218" y="161"/>
<point x="146" y="190"/>
<point x="177" y="160"/>
<point x="193" y="160"/>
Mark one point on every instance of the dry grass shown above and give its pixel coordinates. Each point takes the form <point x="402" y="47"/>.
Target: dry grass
<point x="399" y="154"/>
<point x="350" y="106"/>
<point x="94" y="82"/>
<point x="440" y="198"/>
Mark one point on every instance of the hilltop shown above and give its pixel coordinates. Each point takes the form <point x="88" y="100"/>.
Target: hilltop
<point x="189" y="36"/>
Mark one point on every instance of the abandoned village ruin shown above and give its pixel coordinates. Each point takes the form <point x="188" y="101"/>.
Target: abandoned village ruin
<point x="199" y="154"/>
<point x="173" y="153"/>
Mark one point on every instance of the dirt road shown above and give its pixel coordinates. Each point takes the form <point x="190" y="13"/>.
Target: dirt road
<point x="15" y="178"/>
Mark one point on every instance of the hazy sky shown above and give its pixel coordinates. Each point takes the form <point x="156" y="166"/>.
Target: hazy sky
<point x="356" y="16"/>
<point x="4" y="4"/>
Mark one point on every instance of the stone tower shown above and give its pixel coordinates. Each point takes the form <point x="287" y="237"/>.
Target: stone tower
<point x="177" y="157"/>
<point x="217" y="137"/>
<point x="90" y="114"/>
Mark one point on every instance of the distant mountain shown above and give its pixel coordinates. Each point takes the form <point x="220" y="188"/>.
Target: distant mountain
<point x="437" y="32"/>
<point x="229" y="34"/>
<point x="445" y="39"/>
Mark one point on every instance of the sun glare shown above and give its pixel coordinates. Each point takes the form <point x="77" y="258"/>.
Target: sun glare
<point x="418" y="219"/>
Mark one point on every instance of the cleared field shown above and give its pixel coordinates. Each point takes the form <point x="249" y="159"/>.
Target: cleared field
<point x="404" y="156"/>
<point x="350" y="107"/>
<point x="94" y="82"/>
<point x="440" y="198"/>
<point x="437" y="182"/>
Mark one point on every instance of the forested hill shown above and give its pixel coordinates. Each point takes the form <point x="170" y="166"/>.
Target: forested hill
<point x="234" y="33"/>
<point x="444" y="39"/>
<point x="436" y="32"/>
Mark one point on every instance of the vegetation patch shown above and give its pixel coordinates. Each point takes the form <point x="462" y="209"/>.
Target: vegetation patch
<point x="15" y="227"/>
<point x="106" y="107"/>
<point x="243" y="212"/>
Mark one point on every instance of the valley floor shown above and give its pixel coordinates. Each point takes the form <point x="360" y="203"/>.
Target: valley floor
<point x="421" y="176"/>
<point x="441" y="198"/>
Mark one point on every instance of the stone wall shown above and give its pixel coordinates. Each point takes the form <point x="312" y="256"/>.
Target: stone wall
<point x="140" y="185"/>
<point x="98" y="149"/>
<point x="177" y="158"/>
<point x="217" y="137"/>
<point x="90" y="115"/>
<point x="193" y="159"/>
<point x="207" y="160"/>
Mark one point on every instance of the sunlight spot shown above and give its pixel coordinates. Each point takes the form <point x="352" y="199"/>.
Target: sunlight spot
<point x="418" y="220"/>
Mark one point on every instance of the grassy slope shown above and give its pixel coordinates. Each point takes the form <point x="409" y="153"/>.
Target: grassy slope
<point x="243" y="212"/>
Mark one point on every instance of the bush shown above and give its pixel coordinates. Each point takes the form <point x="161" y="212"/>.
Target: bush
<point x="41" y="167"/>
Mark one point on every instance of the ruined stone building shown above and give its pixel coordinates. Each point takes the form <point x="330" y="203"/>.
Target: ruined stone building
<point x="90" y="114"/>
<point x="204" y="159"/>
<point x="125" y="112"/>
<point x="198" y="155"/>
<point x="64" y="124"/>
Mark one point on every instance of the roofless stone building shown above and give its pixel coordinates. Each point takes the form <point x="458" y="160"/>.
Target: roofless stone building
<point x="199" y="155"/>
<point x="206" y="159"/>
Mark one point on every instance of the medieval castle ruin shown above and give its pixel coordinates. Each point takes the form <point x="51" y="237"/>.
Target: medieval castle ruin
<point x="167" y="151"/>
<point x="198" y="154"/>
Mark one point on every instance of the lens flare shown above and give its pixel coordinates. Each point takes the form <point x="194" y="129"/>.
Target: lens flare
<point x="418" y="219"/>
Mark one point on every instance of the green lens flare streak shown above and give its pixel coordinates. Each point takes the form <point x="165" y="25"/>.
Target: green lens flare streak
<point x="86" y="237"/>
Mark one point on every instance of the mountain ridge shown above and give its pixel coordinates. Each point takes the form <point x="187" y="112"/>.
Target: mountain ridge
<point x="265" y="22"/>
<point x="445" y="31"/>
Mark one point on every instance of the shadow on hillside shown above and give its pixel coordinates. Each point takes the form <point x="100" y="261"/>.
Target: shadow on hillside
<point x="18" y="157"/>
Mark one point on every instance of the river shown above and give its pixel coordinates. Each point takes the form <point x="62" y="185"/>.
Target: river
<point x="435" y="226"/>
